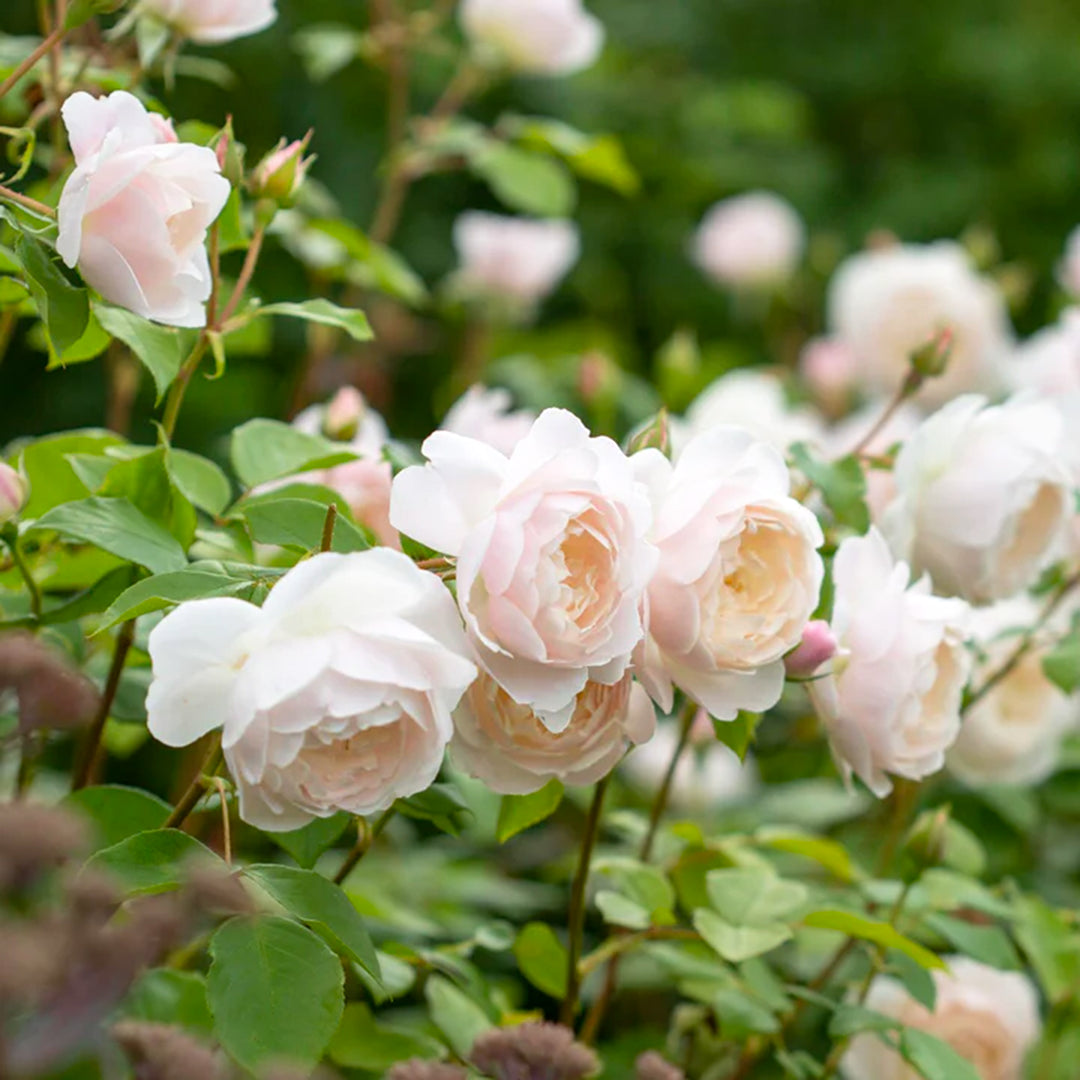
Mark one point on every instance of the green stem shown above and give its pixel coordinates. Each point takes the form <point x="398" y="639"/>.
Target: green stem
<point x="180" y="385"/>
<point x="247" y="271"/>
<point x="196" y="789"/>
<point x="578" y="904"/>
<point x="11" y="538"/>
<point x="328" y="527"/>
<point x="25" y="200"/>
<point x="53" y="39"/>
<point x="368" y="834"/>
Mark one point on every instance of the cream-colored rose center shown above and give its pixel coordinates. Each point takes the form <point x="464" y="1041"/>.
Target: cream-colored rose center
<point x="336" y="771"/>
<point x="583" y="565"/>
<point x="1035" y="531"/>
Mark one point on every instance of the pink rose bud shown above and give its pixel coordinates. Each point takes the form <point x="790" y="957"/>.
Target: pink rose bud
<point x="279" y="175"/>
<point x="13" y="492"/>
<point x="932" y="358"/>
<point x="830" y="368"/>
<point x="817" y="646"/>
<point x="344" y="414"/>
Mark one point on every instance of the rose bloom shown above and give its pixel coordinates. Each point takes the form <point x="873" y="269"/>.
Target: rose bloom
<point x="752" y="399"/>
<point x="1069" y="267"/>
<point x="1013" y="734"/>
<point x="750" y="240"/>
<point x="508" y="747"/>
<point x="886" y="303"/>
<point x="989" y="1017"/>
<point x="709" y="774"/>
<point x="983" y="496"/>
<point x="552" y="554"/>
<point x="891" y="701"/>
<point x="536" y="37"/>
<point x="336" y="695"/>
<point x="831" y="370"/>
<point x="739" y="573"/>
<point x="487" y="414"/>
<point x="514" y="258"/>
<point x="212" y="22"/>
<point x="135" y="212"/>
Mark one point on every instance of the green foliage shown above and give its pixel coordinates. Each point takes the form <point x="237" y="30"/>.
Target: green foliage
<point x="520" y="812"/>
<point x="152" y="861"/>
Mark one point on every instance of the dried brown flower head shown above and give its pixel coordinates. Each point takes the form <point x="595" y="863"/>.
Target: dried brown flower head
<point x="419" y="1069"/>
<point x="651" y="1066"/>
<point x="534" y="1051"/>
<point x="164" y="1052"/>
<point x="51" y="691"/>
<point x="34" y="839"/>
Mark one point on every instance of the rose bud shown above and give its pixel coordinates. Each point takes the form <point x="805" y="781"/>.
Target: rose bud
<point x="817" y="646"/>
<point x="14" y="492"/>
<point x="279" y="175"/>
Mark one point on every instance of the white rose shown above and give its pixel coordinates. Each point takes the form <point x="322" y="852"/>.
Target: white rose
<point x="739" y="573"/>
<point x="752" y="399"/>
<point x="1013" y="734"/>
<point x="891" y="701"/>
<point x="515" y="259"/>
<point x="135" y="212"/>
<point x="551" y="549"/>
<point x="1069" y="267"/>
<point x="709" y="774"/>
<point x="983" y="496"/>
<point x="537" y="37"/>
<point x="508" y="747"/>
<point x="989" y="1017"/>
<point x="336" y="695"/>
<point x="886" y="303"/>
<point x="212" y="22"/>
<point x="756" y="239"/>
<point x="488" y="415"/>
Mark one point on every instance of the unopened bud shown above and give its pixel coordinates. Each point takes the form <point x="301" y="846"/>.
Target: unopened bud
<point x="595" y="376"/>
<point x="230" y="154"/>
<point x="344" y="414"/>
<point x="830" y="368"/>
<point x="279" y="175"/>
<point x="818" y="645"/>
<point x="932" y="358"/>
<point x="656" y="434"/>
<point x="14" y="491"/>
<point x="936" y="840"/>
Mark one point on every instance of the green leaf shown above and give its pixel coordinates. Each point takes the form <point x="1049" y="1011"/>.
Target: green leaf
<point x="918" y="982"/>
<point x="118" y="813"/>
<point x="620" y="910"/>
<point x="362" y="1042"/>
<point x="163" y="996"/>
<point x="1061" y="664"/>
<point x="52" y="479"/>
<point x="881" y="933"/>
<point x="321" y="904"/>
<point x="526" y="181"/>
<point x="91" y="600"/>
<point x="441" y="804"/>
<point x="842" y="484"/>
<point x="306" y="844"/>
<point x="851" y="1019"/>
<point x="738" y="943"/>
<point x="826" y="853"/>
<point x="934" y="1059"/>
<point x="299" y="523"/>
<point x="1050" y="944"/>
<point x="987" y="944"/>
<point x="265" y="450"/>
<point x="203" y="483"/>
<point x="276" y="991"/>
<point x="753" y="896"/>
<point x="64" y="308"/>
<point x="82" y="11"/>
<point x="542" y="958"/>
<point x="161" y="350"/>
<point x="152" y="862"/>
<point x="372" y="265"/>
<point x="93" y="343"/>
<point x="116" y="526"/>
<point x="738" y="734"/>
<point x="144" y="480"/>
<point x="197" y="582"/>
<point x="520" y="812"/>
<point x="455" y="1014"/>
<point x="353" y="322"/>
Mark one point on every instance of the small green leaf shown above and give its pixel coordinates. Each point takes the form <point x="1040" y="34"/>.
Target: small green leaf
<point x="151" y="862"/>
<point x="851" y="1019"/>
<point x="276" y="991"/>
<point x="542" y="958"/>
<point x="197" y="582"/>
<point x="64" y="308"/>
<point x="201" y="481"/>
<point x="116" y="526"/>
<point x="82" y="11"/>
<point x="842" y="484"/>
<point x="47" y="466"/>
<point x="934" y="1059"/>
<point x="362" y="1042"/>
<point x="265" y="450"/>
<point x="299" y="523"/>
<point x="987" y="944"/>
<point x="620" y="910"/>
<point x="441" y="804"/>
<point x="526" y="181"/>
<point x="306" y="844"/>
<point x="520" y="812"/>
<point x="881" y="933"/>
<point x="826" y="853"/>
<point x="1061" y="664"/>
<point x="118" y="813"/>
<point x="753" y="896"/>
<point x="162" y="996"/>
<point x="321" y="904"/>
<point x="738" y="943"/>
<point x="353" y="322"/>
<point x="161" y="350"/>
<point x="738" y="734"/>
<point x="455" y="1014"/>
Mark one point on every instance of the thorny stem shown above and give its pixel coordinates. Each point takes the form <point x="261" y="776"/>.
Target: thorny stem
<point x="25" y="200"/>
<point x="88" y="756"/>
<point x="577" y="903"/>
<point x="1026" y="643"/>
<point x="367" y="835"/>
<point x="196" y="789"/>
<point x="53" y="39"/>
<point x="595" y="1016"/>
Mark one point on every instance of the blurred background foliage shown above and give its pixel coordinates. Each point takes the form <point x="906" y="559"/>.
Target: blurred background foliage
<point x="925" y="119"/>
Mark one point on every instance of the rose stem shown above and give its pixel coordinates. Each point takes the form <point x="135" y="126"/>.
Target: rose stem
<point x="53" y="39"/>
<point x="196" y="789"/>
<point x="368" y="834"/>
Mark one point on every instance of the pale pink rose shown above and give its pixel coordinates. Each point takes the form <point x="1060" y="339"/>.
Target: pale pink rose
<point x="336" y="695"/>
<point x="488" y="415"/>
<point x="739" y="573"/>
<point x="212" y="22"/>
<point x="552" y="554"/>
<point x="753" y="399"/>
<point x="817" y="647"/>
<point x="983" y="496"/>
<point x="831" y="369"/>
<point x="507" y="746"/>
<point x="538" y="37"/>
<point x="1013" y="733"/>
<point x="1069" y="267"/>
<point x="135" y="212"/>
<point x="514" y="258"/>
<point x="891" y="701"/>
<point x="886" y="303"/>
<point x="989" y="1017"/>
<point x="755" y="239"/>
<point x="14" y="491"/>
